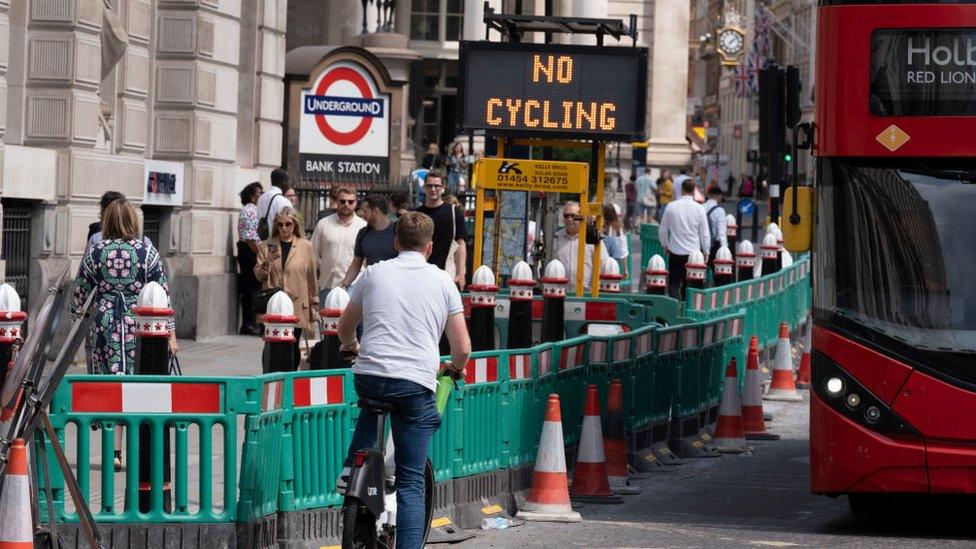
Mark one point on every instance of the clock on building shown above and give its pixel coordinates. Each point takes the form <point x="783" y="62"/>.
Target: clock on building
<point x="731" y="40"/>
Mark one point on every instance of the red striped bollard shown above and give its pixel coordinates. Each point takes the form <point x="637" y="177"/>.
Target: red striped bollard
<point x="657" y="276"/>
<point x="610" y="276"/>
<point x="153" y="321"/>
<point x="745" y="261"/>
<point x="695" y="270"/>
<point x="483" y="289"/>
<point x="279" y="335"/>
<point x="11" y="331"/>
<point x="553" y="302"/>
<point x="731" y="233"/>
<point x="520" y="293"/>
<point x="770" y="254"/>
<point x="335" y="303"/>
<point x="723" y="267"/>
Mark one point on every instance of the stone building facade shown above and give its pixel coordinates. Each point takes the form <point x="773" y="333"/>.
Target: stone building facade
<point x="199" y="84"/>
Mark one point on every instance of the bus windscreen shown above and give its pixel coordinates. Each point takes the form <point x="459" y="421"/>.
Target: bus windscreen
<point x="923" y="72"/>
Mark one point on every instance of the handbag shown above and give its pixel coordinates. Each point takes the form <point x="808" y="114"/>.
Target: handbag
<point x="260" y="301"/>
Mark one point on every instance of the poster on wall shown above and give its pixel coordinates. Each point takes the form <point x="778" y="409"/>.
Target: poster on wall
<point x="344" y="130"/>
<point x="163" y="183"/>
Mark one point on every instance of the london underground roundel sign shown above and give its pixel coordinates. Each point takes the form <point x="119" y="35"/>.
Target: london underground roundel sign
<point x="345" y="125"/>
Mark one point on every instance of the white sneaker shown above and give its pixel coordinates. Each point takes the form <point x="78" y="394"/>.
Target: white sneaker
<point x="343" y="481"/>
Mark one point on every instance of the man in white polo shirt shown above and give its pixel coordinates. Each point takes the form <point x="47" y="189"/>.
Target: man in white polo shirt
<point x="405" y="304"/>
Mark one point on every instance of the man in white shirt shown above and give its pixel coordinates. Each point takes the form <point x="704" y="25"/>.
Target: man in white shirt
<point x="684" y="229"/>
<point x="716" y="220"/>
<point x="334" y="241"/>
<point x="404" y="303"/>
<point x="273" y="199"/>
<point x="566" y="243"/>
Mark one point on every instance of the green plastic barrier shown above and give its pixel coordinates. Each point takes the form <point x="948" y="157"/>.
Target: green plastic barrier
<point x="318" y="423"/>
<point x="650" y="244"/>
<point x="209" y="404"/>
<point x="298" y="426"/>
<point x="686" y="398"/>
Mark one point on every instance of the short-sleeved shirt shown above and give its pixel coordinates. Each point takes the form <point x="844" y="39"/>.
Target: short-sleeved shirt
<point x="247" y="223"/>
<point x="373" y="246"/>
<point x="443" y="230"/>
<point x="406" y="303"/>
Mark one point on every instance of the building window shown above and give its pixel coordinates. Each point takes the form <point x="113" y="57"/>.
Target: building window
<point x="436" y="20"/>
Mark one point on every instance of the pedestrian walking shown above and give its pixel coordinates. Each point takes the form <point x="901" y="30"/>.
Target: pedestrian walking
<point x="292" y="195"/>
<point x="116" y="268"/>
<point x="630" y="195"/>
<point x="615" y="236"/>
<point x="247" y="256"/>
<point x="286" y="261"/>
<point x="399" y="205"/>
<point x="404" y="304"/>
<point x="374" y="243"/>
<point x="665" y="192"/>
<point x="432" y="158"/>
<point x="334" y="240"/>
<point x="448" y="227"/>
<point x="716" y="214"/>
<point x="457" y="168"/>
<point x="271" y="201"/>
<point x="647" y="190"/>
<point x="566" y="244"/>
<point x="684" y="229"/>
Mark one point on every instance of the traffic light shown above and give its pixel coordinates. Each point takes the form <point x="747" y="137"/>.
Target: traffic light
<point x="788" y="157"/>
<point x="771" y="106"/>
<point x="792" y="97"/>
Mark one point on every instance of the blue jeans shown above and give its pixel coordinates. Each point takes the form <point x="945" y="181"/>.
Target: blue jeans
<point x="413" y="425"/>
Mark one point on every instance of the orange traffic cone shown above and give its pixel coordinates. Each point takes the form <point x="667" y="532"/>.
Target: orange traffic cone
<point x="803" y="373"/>
<point x="16" y="525"/>
<point x="590" y="481"/>
<point x="781" y="387"/>
<point x="549" y="497"/>
<point x="615" y="443"/>
<point x="729" y="436"/>
<point x="753" y="420"/>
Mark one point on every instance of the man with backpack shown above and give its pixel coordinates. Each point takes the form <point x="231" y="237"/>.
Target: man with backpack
<point x="716" y="219"/>
<point x="271" y="201"/>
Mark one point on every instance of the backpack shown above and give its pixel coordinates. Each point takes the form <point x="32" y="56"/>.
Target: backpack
<point x="264" y="230"/>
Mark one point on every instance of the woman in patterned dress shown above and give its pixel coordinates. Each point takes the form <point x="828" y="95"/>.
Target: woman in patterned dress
<point x="116" y="269"/>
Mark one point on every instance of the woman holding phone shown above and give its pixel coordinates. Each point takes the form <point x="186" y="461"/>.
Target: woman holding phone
<point x="286" y="261"/>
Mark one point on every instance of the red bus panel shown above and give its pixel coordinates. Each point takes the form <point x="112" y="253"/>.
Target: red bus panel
<point x="843" y="119"/>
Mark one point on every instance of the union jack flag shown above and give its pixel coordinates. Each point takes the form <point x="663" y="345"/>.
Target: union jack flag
<point x="741" y="76"/>
<point x="753" y="65"/>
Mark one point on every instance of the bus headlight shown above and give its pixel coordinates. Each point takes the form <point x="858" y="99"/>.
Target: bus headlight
<point x="835" y="386"/>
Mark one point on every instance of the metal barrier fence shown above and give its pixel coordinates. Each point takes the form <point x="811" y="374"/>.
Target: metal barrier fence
<point x="297" y="426"/>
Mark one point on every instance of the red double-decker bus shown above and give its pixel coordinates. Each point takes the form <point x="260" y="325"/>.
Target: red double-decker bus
<point x="893" y="406"/>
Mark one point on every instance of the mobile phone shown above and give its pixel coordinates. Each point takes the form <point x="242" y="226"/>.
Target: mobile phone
<point x="272" y="247"/>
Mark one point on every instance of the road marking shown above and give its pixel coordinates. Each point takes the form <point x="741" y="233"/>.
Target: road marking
<point x="491" y="509"/>
<point x="438" y="522"/>
<point x="773" y="543"/>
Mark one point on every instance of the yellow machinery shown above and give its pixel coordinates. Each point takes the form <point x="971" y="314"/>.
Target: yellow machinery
<point x="546" y="176"/>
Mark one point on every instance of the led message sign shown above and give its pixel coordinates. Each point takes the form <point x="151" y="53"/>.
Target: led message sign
<point x="553" y="90"/>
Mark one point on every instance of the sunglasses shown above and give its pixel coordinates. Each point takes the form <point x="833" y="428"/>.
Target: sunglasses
<point x="347" y="202"/>
<point x="286" y="224"/>
<point x="433" y="186"/>
<point x="573" y="217"/>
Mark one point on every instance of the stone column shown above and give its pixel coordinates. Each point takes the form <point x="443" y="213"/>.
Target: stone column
<point x="669" y="85"/>
<point x="474" y="15"/>
<point x="592" y="9"/>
